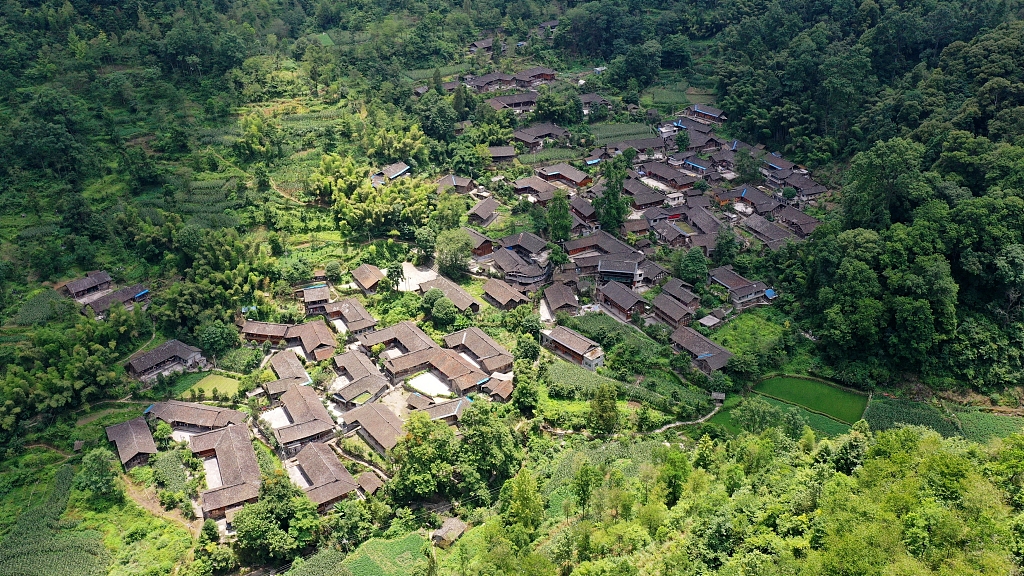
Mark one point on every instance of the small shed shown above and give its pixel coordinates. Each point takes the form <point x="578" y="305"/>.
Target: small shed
<point x="718" y="397"/>
<point x="449" y="532"/>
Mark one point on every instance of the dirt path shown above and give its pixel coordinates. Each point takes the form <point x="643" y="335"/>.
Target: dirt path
<point x="700" y="420"/>
<point x="49" y="447"/>
<point x="147" y="499"/>
<point x="353" y="458"/>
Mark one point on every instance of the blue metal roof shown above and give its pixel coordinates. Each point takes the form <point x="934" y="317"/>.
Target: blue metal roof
<point x="770" y="293"/>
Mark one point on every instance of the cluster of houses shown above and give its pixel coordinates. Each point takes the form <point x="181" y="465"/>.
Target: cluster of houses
<point x="96" y="294"/>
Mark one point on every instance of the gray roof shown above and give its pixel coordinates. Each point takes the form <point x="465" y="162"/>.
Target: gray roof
<point x="676" y="289"/>
<point x="564" y="170"/>
<point x="364" y="376"/>
<point x="489" y="354"/>
<point x="353" y="313"/>
<point x="572" y="340"/>
<point x="406" y="334"/>
<point x="529" y="242"/>
<point x="559" y="296"/>
<point x="620" y="295"/>
<point x="236" y="460"/>
<point x="701" y="348"/>
<point x="504" y="294"/>
<point x="328" y="478"/>
<point x="89" y="281"/>
<point x="287" y="365"/>
<point x="367" y="275"/>
<point x="477" y="238"/>
<point x="195" y="414"/>
<point x="166" y="351"/>
<point x="670" y="307"/>
<point x="315" y="294"/>
<point x="379" y="422"/>
<point x="307" y="413"/>
<point x="535" y="184"/>
<point x="126" y="294"/>
<point x="449" y="409"/>
<point x="131" y="438"/>
<point x="462" y="300"/>
<point x="485" y="208"/>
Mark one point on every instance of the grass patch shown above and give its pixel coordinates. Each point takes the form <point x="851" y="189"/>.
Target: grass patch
<point x="325" y="40"/>
<point x="748" y="333"/>
<point x="223" y="384"/>
<point x="168" y="471"/>
<point x="427" y="73"/>
<point x="822" y="425"/>
<point x="378" y="557"/>
<point x="886" y="413"/>
<point x="323" y="563"/>
<point x="842" y="405"/>
<point x="567" y="380"/>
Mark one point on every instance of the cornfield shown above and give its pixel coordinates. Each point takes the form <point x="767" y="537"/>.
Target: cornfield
<point x="36" y="546"/>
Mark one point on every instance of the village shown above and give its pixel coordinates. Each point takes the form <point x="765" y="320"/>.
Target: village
<point x="683" y="189"/>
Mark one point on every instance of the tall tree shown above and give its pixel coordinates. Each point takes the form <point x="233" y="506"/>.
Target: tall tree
<point x="454" y="248"/>
<point x="424" y="459"/>
<point x="604" y="413"/>
<point x="884" y="184"/>
<point x="611" y="207"/>
<point x="559" y="217"/>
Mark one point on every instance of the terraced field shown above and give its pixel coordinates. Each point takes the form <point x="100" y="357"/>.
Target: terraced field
<point x="843" y="405"/>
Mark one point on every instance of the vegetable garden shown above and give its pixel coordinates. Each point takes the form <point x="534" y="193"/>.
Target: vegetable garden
<point x="377" y="557"/>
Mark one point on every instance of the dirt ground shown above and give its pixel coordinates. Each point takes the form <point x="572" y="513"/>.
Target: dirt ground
<point x="147" y="499"/>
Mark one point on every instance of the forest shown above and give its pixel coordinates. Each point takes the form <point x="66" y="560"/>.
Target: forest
<point x="217" y="151"/>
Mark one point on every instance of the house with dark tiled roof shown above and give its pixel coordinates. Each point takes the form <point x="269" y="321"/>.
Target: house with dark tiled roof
<point x="237" y="479"/>
<point x="501" y="154"/>
<point x="670" y="234"/>
<point x="620" y="300"/>
<point x="361" y="381"/>
<point x="667" y="175"/>
<point x="323" y="478"/>
<point x="484" y="211"/>
<point x="705" y="113"/>
<point x="502" y="295"/>
<point x="376" y="424"/>
<point x="533" y="185"/>
<point x="517" y="103"/>
<point x="402" y="338"/>
<point x="482" y="245"/>
<point x="352" y="315"/>
<point x="449" y="411"/>
<point x="533" y="77"/>
<point x="484" y="45"/>
<point x="366" y="277"/>
<point x="583" y="208"/>
<point x="707" y="356"/>
<point x="591" y="101"/>
<point x="573" y="346"/>
<point x="761" y="203"/>
<point x="92" y="282"/>
<point x="566" y="174"/>
<point x="133" y="440"/>
<point x="680" y="291"/>
<point x="289" y="370"/>
<point x="193" y="416"/>
<point x="171" y="356"/>
<point x="561" y="298"/>
<point x="390" y="172"/>
<point x="481" y="348"/>
<point x="773" y="236"/>
<point x="448" y="533"/>
<point x="128" y="297"/>
<point x="456" y="184"/>
<point x="671" y="311"/>
<point x="800" y="223"/>
<point x="315" y="338"/>
<point x="534" y="137"/>
<point x="462" y="300"/>
<point x="253" y="331"/>
<point x="742" y="292"/>
<point x="308" y="419"/>
<point x="313" y="298"/>
<point x="456" y="371"/>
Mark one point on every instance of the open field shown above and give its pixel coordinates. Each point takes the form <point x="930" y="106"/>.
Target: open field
<point x="377" y="557"/>
<point x="842" y="405"/>
<point x="724" y="416"/>
<point x="981" y="426"/>
<point x="607" y="133"/>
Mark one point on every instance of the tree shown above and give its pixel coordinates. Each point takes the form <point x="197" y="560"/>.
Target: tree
<point x="448" y="212"/>
<point x="726" y="246"/>
<point x="526" y="348"/>
<point x="611" y="207"/>
<point x="333" y="270"/>
<point x="604" y="413"/>
<point x="693" y="268"/>
<point x="587" y="478"/>
<point x="559" y="217"/>
<point x="281" y="523"/>
<point x="444" y="312"/>
<point x="675" y="53"/>
<point x="525" y="395"/>
<point x="454" y="248"/>
<point x="755" y="415"/>
<point x="683" y="140"/>
<point x="163" y="434"/>
<point x="437" y="115"/>
<point x="430" y="298"/>
<point x="98" y="475"/>
<point x="521" y="502"/>
<point x="487" y="454"/>
<point x="424" y="459"/>
<point x="217" y="337"/>
<point x="426" y="240"/>
<point x="748" y="166"/>
<point x="884" y="185"/>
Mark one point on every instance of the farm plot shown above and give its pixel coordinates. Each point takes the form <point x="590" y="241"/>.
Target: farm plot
<point x="168" y="471"/>
<point x="377" y="557"/>
<point x="324" y="563"/>
<point x="843" y="405"/>
<point x="607" y="133"/>
<point x="981" y="426"/>
<point x="822" y="425"/>
<point x="550" y="155"/>
<point x="885" y="413"/>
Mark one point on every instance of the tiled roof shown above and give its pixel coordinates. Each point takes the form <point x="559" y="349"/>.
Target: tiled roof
<point x="131" y="438"/>
<point x="195" y="414"/>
